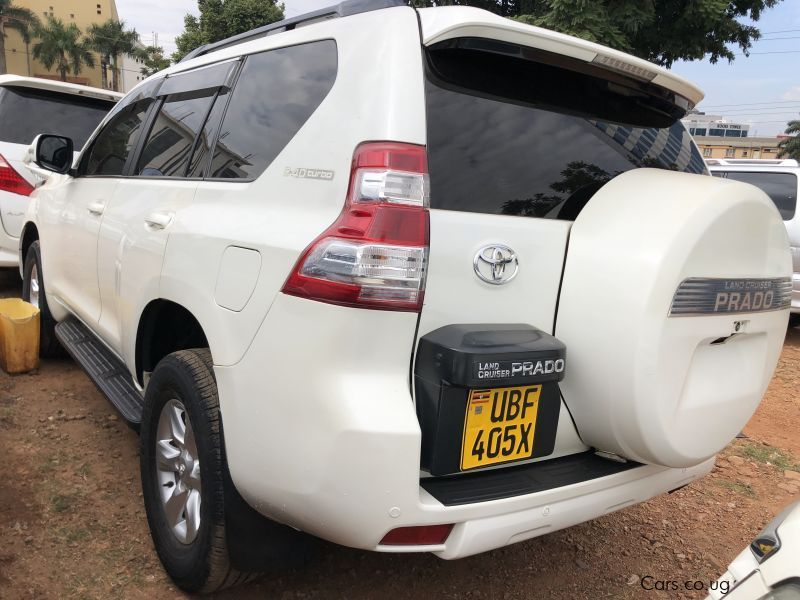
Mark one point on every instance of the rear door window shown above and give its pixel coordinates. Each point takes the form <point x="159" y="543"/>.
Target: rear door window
<point x="781" y="187"/>
<point x="531" y="137"/>
<point x="169" y="145"/>
<point x="27" y="112"/>
<point x="277" y="91"/>
<point x="200" y="156"/>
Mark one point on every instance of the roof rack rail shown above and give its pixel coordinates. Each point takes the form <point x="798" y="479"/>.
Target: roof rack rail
<point x="343" y="9"/>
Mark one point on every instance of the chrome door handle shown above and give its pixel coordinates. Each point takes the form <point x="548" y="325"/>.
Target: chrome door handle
<point x="158" y="220"/>
<point x="96" y="208"/>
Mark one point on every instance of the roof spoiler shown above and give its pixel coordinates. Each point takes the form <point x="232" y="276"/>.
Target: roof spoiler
<point x="764" y="162"/>
<point x="345" y="8"/>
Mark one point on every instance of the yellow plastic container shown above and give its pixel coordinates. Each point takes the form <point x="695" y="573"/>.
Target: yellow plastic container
<point x="19" y="336"/>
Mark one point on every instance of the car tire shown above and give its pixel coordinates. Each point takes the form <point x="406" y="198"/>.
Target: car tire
<point x="33" y="291"/>
<point x="794" y="320"/>
<point x="195" y="554"/>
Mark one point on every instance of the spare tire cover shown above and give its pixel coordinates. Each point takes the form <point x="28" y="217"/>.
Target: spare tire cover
<point x="673" y="307"/>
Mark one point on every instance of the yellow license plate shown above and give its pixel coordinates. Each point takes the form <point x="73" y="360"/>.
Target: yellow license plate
<point x="499" y="425"/>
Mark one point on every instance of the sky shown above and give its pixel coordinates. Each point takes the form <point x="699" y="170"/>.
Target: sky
<point x="762" y="89"/>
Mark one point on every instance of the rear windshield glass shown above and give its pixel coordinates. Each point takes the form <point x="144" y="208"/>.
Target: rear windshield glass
<point x="25" y="113"/>
<point x="781" y="187"/>
<point x="513" y="136"/>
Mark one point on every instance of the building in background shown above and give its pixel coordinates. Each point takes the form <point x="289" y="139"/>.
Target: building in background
<point x="730" y="147"/>
<point x="131" y="70"/>
<point x="83" y="13"/>
<point x="700" y="124"/>
<point x="720" y="137"/>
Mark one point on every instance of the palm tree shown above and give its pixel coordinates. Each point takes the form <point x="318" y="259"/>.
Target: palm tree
<point x="14" y="17"/>
<point x="61" y="45"/>
<point x="790" y="147"/>
<point x="110" y="40"/>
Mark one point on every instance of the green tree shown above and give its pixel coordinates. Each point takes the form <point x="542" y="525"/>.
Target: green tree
<point x="220" y="19"/>
<point x="790" y="147"/>
<point x="14" y="17"/>
<point x="661" y="31"/>
<point x="154" y="60"/>
<point x="111" y="40"/>
<point x="192" y="37"/>
<point x="61" y="46"/>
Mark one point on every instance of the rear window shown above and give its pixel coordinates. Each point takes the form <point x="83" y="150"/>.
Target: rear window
<point x="514" y="131"/>
<point x="26" y="112"/>
<point x="781" y="187"/>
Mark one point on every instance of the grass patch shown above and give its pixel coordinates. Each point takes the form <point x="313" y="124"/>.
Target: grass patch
<point x="738" y="487"/>
<point x="769" y="456"/>
<point x="68" y="535"/>
<point x="6" y="418"/>
<point x="50" y="464"/>
<point x="60" y="503"/>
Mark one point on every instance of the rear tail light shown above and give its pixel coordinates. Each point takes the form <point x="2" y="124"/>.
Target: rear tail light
<point x="376" y="252"/>
<point x="11" y="181"/>
<point x="423" y="535"/>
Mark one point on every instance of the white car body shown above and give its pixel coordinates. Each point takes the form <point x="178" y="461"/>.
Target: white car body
<point x="772" y="168"/>
<point x="318" y="400"/>
<point x="13" y="205"/>
<point x="768" y="568"/>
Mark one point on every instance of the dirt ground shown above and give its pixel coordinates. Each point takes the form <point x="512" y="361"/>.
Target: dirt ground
<point x="72" y="524"/>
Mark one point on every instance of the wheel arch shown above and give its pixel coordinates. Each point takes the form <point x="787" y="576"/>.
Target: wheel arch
<point x="165" y="327"/>
<point x="30" y="233"/>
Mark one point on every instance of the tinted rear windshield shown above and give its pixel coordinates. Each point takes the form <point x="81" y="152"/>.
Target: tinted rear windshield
<point x="26" y="112"/>
<point x="515" y="131"/>
<point x="781" y="187"/>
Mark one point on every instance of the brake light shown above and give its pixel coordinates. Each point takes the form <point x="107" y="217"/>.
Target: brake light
<point x="423" y="535"/>
<point x="375" y="254"/>
<point x="11" y="181"/>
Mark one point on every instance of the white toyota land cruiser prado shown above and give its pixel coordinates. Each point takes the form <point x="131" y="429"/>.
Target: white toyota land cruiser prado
<point x="406" y="280"/>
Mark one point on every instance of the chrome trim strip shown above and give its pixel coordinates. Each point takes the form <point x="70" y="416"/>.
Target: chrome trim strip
<point x="706" y="295"/>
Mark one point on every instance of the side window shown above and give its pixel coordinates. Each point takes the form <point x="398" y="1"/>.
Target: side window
<point x="113" y="145"/>
<point x="199" y="162"/>
<point x="169" y="145"/>
<point x="780" y="187"/>
<point x="277" y="91"/>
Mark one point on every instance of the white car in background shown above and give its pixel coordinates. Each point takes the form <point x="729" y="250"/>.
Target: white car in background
<point x="29" y="106"/>
<point x="780" y="180"/>
<point x="769" y="568"/>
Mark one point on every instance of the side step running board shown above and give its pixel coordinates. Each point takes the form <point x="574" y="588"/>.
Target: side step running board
<point x="107" y="371"/>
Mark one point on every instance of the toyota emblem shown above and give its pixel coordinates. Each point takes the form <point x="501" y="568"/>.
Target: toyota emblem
<point x="496" y="264"/>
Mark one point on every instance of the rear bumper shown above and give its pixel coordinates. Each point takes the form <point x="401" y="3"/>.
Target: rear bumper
<point x="321" y="434"/>
<point x="545" y="512"/>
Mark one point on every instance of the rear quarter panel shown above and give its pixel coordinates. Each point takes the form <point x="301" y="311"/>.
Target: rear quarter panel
<point x="377" y="95"/>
